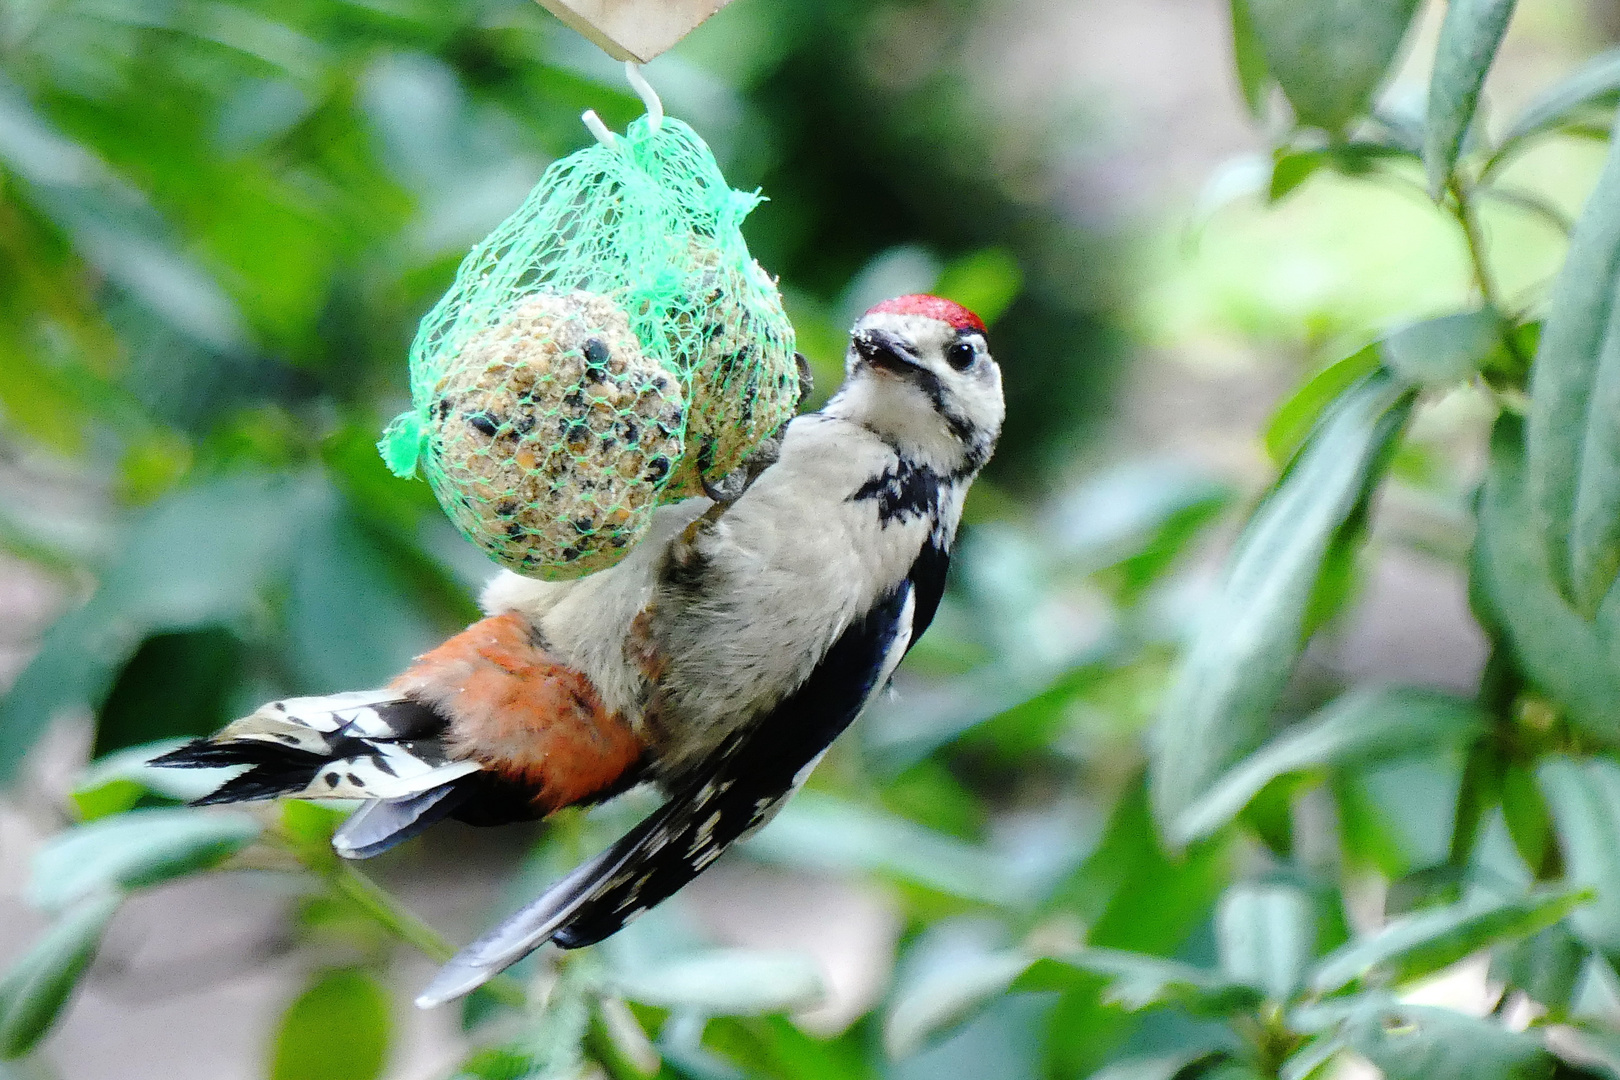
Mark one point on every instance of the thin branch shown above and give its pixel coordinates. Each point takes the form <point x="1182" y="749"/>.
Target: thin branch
<point x="1530" y="204"/>
<point x="1474" y="239"/>
<point x="393" y="916"/>
<point x="386" y="910"/>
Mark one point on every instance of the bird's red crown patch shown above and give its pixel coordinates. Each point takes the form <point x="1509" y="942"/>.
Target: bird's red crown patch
<point x="935" y="307"/>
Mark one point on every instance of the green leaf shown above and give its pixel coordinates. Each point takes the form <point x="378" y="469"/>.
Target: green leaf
<point x="1137" y="982"/>
<point x="821" y="832"/>
<point x="1291" y="168"/>
<point x="1585" y="799"/>
<point x="1363" y="725"/>
<point x="1185" y="1065"/>
<point x="127" y="775"/>
<point x="1252" y="631"/>
<point x="39" y="983"/>
<point x="1295" y="417"/>
<point x="1469" y="38"/>
<point x="337" y="1029"/>
<point x="1547" y="967"/>
<point x="112" y="226"/>
<point x="142" y="847"/>
<point x="179" y="683"/>
<point x="1573" y="444"/>
<point x="1597" y="995"/>
<point x="1494" y="863"/>
<point x="1237" y="179"/>
<point x="1139" y="517"/>
<point x="1308" y="1059"/>
<point x="198" y="558"/>
<point x="1134" y="896"/>
<point x="986" y="282"/>
<point x="1590" y="1054"/>
<point x="51" y="403"/>
<point x="943" y="995"/>
<point x="725" y="982"/>
<point x="1423" y="942"/>
<point x="107" y="798"/>
<point x="307" y="828"/>
<point x="1400" y="815"/>
<point x="622" y="1043"/>
<point x="1560" y="652"/>
<point x="1418" y="1042"/>
<point x="1330" y="56"/>
<point x="1445" y="350"/>
<point x="1267" y="936"/>
<point x="1525" y="814"/>
<point x="550" y="1051"/>
<point x="496" y="1063"/>
<point x="775" y="1047"/>
<point x="1594" y="87"/>
<point x="352" y="616"/>
<point x="1131" y="894"/>
<point x="1437" y="351"/>
<point x="1249" y="59"/>
<point x="1130" y="873"/>
<point x="1229" y="1069"/>
<point x="1536" y="206"/>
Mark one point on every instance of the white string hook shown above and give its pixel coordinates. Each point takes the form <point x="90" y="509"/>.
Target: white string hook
<point x="649" y="96"/>
<point x="594" y="125"/>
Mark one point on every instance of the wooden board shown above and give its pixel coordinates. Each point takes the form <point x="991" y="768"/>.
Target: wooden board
<point x="634" y="29"/>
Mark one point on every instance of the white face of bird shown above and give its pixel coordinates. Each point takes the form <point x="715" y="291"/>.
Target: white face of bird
<point x="919" y="372"/>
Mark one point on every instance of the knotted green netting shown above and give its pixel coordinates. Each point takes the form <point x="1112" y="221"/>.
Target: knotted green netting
<point x="610" y="346"/>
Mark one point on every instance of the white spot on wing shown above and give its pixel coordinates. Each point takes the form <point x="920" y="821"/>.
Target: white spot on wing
<point x="803" y="774"/>
<point x="705" y="834"/>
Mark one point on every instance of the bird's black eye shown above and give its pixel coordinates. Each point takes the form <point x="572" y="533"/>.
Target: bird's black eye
<point x="961" y="355"/>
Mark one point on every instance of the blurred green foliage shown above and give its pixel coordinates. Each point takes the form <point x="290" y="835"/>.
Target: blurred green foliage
<point x="220" y="222"/>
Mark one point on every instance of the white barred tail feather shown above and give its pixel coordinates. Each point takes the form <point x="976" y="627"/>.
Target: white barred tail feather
<point x="372" y="745"/>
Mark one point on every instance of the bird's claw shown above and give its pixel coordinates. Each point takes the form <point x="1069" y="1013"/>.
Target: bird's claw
<point x="807" y="379"/>
<point x="729" y="488"/>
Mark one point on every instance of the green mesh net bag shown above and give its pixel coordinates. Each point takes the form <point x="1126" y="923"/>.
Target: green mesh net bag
<point x="609" y="347"/>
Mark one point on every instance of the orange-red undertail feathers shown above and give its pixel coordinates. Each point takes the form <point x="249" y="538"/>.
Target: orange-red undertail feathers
<point x="523" y="716"/>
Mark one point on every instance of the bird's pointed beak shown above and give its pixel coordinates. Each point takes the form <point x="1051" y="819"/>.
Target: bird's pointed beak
<point x="885" y="351"/>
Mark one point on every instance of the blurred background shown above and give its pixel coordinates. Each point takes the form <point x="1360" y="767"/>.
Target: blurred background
<point x="220" y="221"/>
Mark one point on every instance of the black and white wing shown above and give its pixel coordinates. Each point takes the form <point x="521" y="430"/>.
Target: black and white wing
<point x="748" y="781"/>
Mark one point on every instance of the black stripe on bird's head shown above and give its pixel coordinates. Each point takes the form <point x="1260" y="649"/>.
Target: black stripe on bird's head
<point x="919" y="373"/>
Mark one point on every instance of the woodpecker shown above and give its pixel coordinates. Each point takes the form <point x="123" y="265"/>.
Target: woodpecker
<point x="718" y="661"/>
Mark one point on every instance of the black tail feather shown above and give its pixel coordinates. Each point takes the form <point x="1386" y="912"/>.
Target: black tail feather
<point x="207" y="754"/>
<point x="198" y="754"/>
<point x="277" y="769"/>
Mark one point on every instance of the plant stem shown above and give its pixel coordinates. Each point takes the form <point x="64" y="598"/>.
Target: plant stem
<point x="404" y="924"/>
<point x="393" y="916"/>
<point x="1474" y="239"/>
<point x="386" y="910"/>
<point x="381" y="906"/>
<point x="599" y="1047"/>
